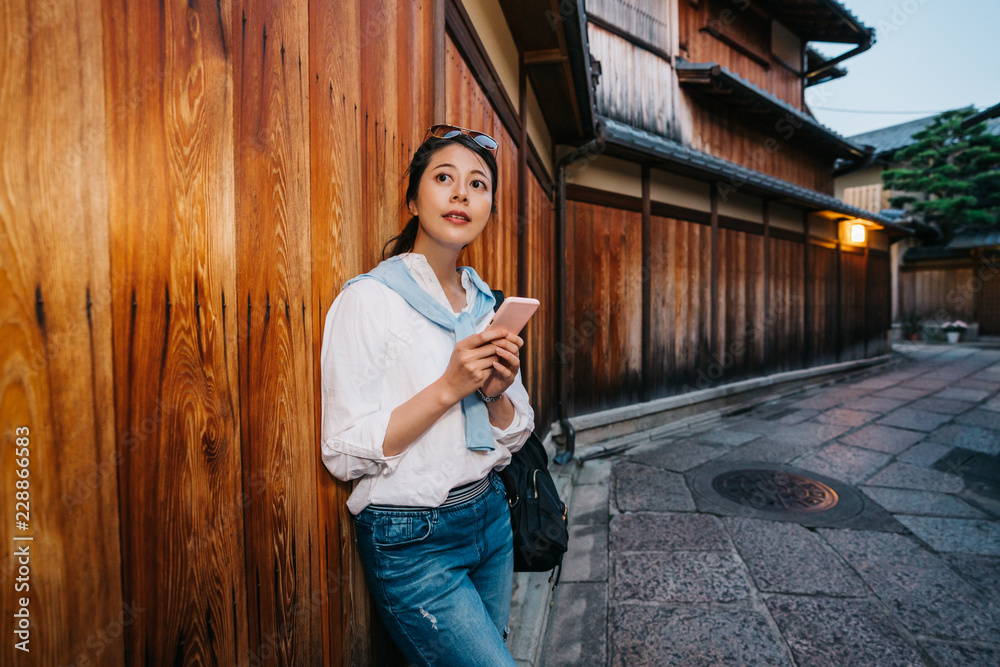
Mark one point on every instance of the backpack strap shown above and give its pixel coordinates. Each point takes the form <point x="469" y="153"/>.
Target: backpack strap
<point x="498" y="295"/>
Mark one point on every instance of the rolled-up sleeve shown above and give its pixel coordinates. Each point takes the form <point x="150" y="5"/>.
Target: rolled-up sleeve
<point x="516" y="434"/>
<point x="352" y="367"/>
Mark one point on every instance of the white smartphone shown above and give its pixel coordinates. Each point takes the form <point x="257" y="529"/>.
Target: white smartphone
<point x="514" y="313"/>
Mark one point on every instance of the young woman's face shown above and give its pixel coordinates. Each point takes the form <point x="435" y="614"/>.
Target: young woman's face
<point x="454" y="198"/>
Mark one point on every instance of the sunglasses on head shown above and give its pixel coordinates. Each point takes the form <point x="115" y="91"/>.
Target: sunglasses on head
<point x="443" y="131"/>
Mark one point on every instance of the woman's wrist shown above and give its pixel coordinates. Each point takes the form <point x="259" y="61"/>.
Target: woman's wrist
<point x="488" y="399"/>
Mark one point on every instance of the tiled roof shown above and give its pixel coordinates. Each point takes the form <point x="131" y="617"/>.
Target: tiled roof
<point x="739" y="176"/>
<point x="983" y="239"/>
<point x="890" y="139"/>
<point x="820" y="20"/>
<point x="731" y="85"/>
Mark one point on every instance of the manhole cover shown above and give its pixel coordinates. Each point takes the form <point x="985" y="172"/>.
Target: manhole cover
<point x="775" y="491"/>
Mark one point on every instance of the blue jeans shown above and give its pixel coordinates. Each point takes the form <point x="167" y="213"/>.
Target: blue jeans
<point x="442" y="578"/>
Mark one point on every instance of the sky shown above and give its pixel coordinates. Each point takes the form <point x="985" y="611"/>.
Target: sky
<point x="929" y="56"/>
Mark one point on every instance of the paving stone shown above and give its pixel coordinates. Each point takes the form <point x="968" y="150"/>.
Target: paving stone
<point x="959" y="655"/>
<point x="725" y="436"/>
<point x="882" y="438"/>
<point x="820" y="402"/>
<point x="668" y="531"/>
<point x="992" y="404"/>
<point x="678" y="456"/>
<point x="904" y="393"/>
<point x="787" y="558"/>
<point x="595" y="472"/>
<point x="848" y="417"/>
<point x="844" y="463"/>
<point x="769" y="450"/>
<point x="943" y="405"/>
<point x="928" y="383"/>
<point x="577" y="629"/>
<point x="967" y="437"/>
<point x="796" y="416"/>
<point x="876" y="383"/>
<point x="873" y="404"/>
<point x="923" y="503"/>
<point x="680" y="576"/>
<point x="918" y="587"/>
<point x="988" y="419"/>
<point x="693" y="637"/>
<point x="967" y="536"/>
<point x="808" y="433"/>
<point x="961" y="394"/>
<point x="907" y="476"/>
<point x="587" y="558"/>
<point x="639" y="487"/>
<point x="830" y="631"/>
<point x="923" y="454"/>
<point x="918" y="420"/>
<point x="983" y="572"/>
<point x="589" y="504"/>
<point x="750" y="425"/>
<point x="983" y="384"/>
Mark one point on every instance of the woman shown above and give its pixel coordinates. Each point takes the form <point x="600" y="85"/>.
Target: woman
<point x="423" y="402"/>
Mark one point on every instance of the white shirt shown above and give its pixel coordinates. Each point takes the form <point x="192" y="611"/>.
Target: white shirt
<point x="378" y="352"/>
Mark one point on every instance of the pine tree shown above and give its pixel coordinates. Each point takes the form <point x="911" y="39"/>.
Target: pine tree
<point x="951" y="176"/>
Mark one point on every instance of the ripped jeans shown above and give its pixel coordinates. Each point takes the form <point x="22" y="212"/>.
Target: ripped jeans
<point x="442" y="578"/>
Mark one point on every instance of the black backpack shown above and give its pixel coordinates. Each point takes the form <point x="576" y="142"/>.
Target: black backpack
<point x="537" y="514"/>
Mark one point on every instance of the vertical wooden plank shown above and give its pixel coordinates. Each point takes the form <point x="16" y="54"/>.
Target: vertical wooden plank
<point x="648" y="370"/>
<point x="765" y="320"/>
<point x="56" y="393"/>
<point x="807" y="307"/>
<point x="276" y="337"/>
<point x="352" y="632"/>
<point x="169" y="81"/>
<point x="713" y="327"/>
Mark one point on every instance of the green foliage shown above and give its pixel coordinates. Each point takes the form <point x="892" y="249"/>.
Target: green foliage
<point x="954" y="173"/>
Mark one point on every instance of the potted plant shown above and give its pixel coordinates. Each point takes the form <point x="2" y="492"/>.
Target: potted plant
<point x="913" y="329"/>
<point x="954" y="330"/>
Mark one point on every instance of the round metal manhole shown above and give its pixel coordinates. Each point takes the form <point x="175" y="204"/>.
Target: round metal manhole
<point x="775" y="491"/>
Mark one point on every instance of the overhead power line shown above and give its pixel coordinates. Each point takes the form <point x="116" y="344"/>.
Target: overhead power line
<point x="898" y="113"/>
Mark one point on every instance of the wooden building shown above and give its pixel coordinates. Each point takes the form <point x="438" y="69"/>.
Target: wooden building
<point x="186" y="186"/>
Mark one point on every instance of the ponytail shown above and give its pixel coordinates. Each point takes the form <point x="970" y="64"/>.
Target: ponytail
<point x="403" y="242"/>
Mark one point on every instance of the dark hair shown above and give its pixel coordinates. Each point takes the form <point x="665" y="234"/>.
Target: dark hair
<point x="403" y="242"/>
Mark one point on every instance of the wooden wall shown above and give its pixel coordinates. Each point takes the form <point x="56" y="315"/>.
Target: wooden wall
<point x="604" y="306"/>
<point x="745" y="25"/>
<point x="763" y="324"/>
<point x="936" y="293"/>
<point x="968" y="290"/>
<point x="785" y="315"/>
<point x="680" y="270"/>
<point x="185" y="190"/>
<point x="56" y="372"/>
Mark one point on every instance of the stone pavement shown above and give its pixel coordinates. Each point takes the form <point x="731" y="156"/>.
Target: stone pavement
<point x="908" y="573"/>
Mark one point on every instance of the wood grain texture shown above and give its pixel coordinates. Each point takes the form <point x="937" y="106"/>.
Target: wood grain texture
<point x="169" y="77"/>
<point x="347" y="237"/>
<point x="538" y="357"/>
<point x="824" y="315"/>
<point x="55" y="322"/>
<point x="785" y="333"/>
<point x="276" y="348"/>
<point x="852" y="307"/>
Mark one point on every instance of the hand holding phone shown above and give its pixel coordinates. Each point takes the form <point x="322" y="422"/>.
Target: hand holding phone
<point x="514" y="313"/>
